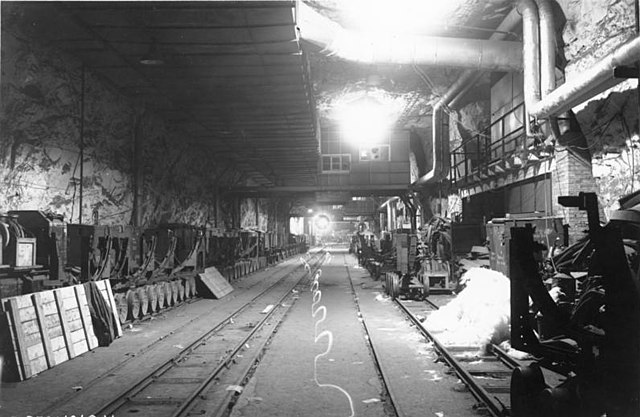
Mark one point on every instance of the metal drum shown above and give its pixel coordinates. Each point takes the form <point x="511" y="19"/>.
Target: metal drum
<point x="174" y="292"/>
<point x="160" y="293"/>
<point x="121" y="305"/>
<point x="194" y="288"/>
<point x="168" y="294"/>
<point x="133" y="303"/>
<point x="144" y="301"/>
<point x="152" y="296"/>
<point x="181" y="290"/>
<point x="187" y="288"/>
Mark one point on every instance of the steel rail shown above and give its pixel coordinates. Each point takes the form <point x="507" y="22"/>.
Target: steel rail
<point x="496" y="408"/>
<point x="392" y="400"/>
<point x="49" y="410"/>
<point x="185" y="406"/>
<point x="504" y="357"/>
<point x="431" y="303"/>
<point x="125" y="396"/>
<point x="225" y="406"/>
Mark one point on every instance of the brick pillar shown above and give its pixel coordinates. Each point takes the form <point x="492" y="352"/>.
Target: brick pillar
<point x="571" y="174"/>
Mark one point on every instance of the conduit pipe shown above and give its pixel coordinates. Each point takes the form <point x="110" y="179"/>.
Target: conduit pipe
<point x="541" y="62"/>
<point x="420" y="50"/>
<point x="439" y="156"/>
<point x="539" y="55"/>
<point x="548" y="46"/>
<point x="530" y="54"/>
<point x="589" y="83"/>
<point x="470" y="77"/>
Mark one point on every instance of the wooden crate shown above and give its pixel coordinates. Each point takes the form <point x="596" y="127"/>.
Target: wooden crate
<point x="51" y="327"/>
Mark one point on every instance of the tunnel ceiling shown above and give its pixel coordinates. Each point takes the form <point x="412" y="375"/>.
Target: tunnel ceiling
<point x="235" y="76"/>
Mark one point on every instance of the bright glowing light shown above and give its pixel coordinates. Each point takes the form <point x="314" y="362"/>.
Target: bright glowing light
<point x="309" y="211"/>
<point x="365" y="121"/>
<point x="399" y="16"/>
<point x="322" y="222"/>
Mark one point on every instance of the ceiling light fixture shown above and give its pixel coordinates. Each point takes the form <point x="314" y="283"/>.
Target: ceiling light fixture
<point x="154" y="56"/>
<point x="402" y="17"/>
<point x="366" y="120"/>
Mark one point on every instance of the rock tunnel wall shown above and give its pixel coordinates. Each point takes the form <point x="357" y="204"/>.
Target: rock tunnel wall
<point x="40" y="136"/>
<point x="592" y="29"/>
<point x="40" y="139"/>
<point x="266" y="215"/>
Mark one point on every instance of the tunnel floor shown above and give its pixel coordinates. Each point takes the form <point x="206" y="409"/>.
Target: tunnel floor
<point x="357" y="355"/>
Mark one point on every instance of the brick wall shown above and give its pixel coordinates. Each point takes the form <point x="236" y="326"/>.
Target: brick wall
<point x="572" y="174"/>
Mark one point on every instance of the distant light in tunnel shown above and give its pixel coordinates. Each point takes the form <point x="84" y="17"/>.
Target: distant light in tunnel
<point x="322" y="222"/>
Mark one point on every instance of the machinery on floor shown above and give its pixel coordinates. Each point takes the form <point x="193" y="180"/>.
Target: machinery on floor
<point x="584" y="320"/>
<point x="414" y="262"/>
<point x="149" y="268"/>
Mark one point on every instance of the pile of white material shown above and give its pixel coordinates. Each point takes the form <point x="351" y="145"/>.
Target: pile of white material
<point x="479" y="315"/>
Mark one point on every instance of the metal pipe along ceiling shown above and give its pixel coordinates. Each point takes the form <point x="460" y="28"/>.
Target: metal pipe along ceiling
<point x="440" y="141"/>
<point x="587" y="84"/>
<point x="420" y="50"/>
<point x="539" y="61"/>
<point x="548" y="46"/>
<point x="531" y="52"/>
<point x="491" y="55"/>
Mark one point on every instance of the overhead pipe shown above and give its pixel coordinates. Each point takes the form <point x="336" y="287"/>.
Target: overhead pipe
<point x="469" y="78"/>
<point x="439" y="164"/>
<point x="548" y="46"/>
<point x="539" y="56"/>
<point x="493" y="55"/>
<point x="420" y="50"/>
<point x="538" y="28"/>
<point x="531" y="54"/>
<point x="595" y="80"/>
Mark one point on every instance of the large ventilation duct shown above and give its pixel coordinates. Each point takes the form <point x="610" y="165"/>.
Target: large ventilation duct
<point x="531" y="53"/>
<point x="539" y="54"/>
<point x="420" y="50"/>
<point x="589" y="83"/>
<point x="440" y="139"/>
<point x="548" y="46"/>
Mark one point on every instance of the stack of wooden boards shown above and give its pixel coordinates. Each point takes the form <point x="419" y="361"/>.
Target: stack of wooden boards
<point x="50" y="327"/>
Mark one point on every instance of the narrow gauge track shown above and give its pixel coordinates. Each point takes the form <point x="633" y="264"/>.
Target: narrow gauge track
<point x="388" y="393"/>
<point x="487" y="375"/>
<point x="175" y="387"/>
<point x="51" y="408"/>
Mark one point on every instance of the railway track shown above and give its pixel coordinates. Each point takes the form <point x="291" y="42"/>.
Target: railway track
<point x="487" y="375"/>
<point x="389" y="398"/>
<point x="177" y="385"/>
